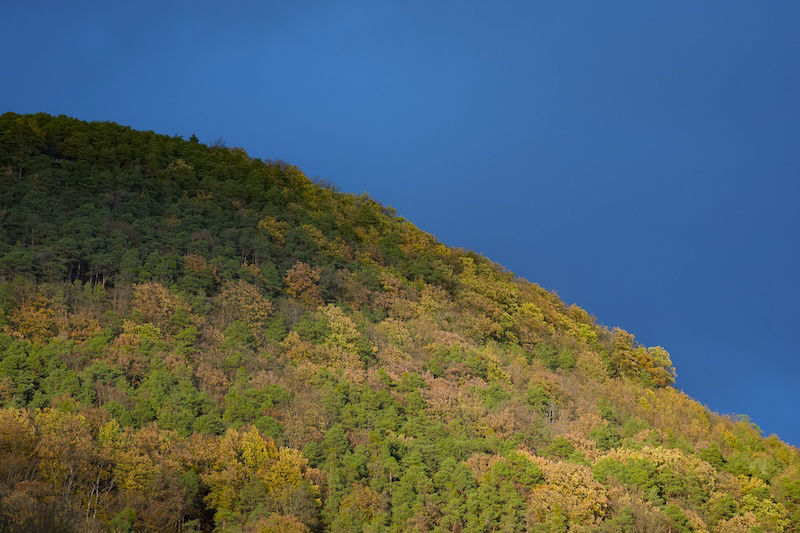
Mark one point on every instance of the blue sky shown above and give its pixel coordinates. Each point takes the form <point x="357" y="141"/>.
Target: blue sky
<point x="639" y="158"/>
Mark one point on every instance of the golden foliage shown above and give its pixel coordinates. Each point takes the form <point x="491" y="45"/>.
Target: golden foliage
<point x="212" y="380"/>
<point x="336" y="248"/>
<point x="480" y="464"/>
<point x="296" y="348"/>
<point x="569" y="489"/>
<point x="82" y="326"/>
<point x="481" y="317"/>
<point x="244" y="455"/>
<point x="395" y="331"/>
<point x="302" y="283"/>
<point x="502" y="424"/>
<point x="482" y="279"/>
<point x="65" y="448"/>
<point x="494" y="367"/>
<point x="278" y="523"/>
<point x="432" y="301"/>
<point x="739" y="523"/>
<point x="343" y="332"/>
<point x="17" y="435"/>
<point x="37" y="320"/>
<point x="415" y="241"/>
<point x="157" y="304"/>
<point x="240" y="300"/>
<point x="275" y="229"/>
<point x="530" y="325"/>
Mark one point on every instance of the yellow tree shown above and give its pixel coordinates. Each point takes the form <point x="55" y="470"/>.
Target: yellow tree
<point x="37" y="320"/>
<point x="239" y="300"/>
<point x="243" y="457"/>
<point x="302" y="283"/>
<point x="157" y="304"/>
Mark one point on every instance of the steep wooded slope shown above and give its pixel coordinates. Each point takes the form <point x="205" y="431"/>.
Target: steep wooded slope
<point x="193" y="339"/>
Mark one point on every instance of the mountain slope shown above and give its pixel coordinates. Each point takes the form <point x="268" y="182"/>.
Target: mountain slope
<point x="193" y="339"/>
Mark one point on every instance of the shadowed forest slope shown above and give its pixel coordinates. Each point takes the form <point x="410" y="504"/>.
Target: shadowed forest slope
<point x="195" y="340"/>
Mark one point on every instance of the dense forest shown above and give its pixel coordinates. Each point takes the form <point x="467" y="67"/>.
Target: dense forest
<point x="195" y="340"/>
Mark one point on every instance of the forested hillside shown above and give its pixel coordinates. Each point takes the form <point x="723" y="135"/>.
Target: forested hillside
<point x="195" y="340"/>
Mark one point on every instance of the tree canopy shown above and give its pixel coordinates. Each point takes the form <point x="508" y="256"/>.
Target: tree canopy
<point x="192" y="339"/>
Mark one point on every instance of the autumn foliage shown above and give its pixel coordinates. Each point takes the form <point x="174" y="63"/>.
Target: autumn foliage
<point x="200" y="341"/>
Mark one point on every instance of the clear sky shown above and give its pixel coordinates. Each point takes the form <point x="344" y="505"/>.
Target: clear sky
<point x="642" y="159"/>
